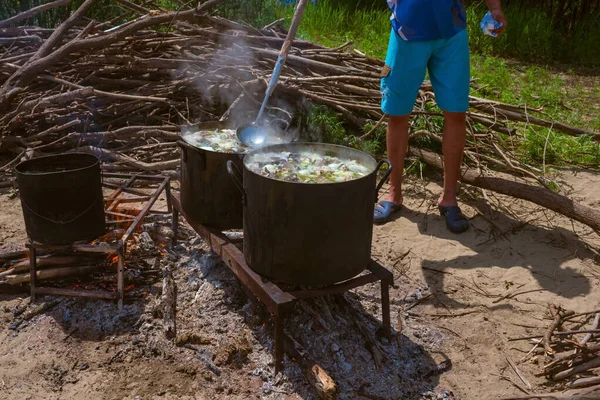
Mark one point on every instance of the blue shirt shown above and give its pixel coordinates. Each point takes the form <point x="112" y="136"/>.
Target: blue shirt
<point x="427" y="19"/>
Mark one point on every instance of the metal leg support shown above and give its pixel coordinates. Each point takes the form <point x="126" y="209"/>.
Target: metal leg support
<point x="168" y="195"/>
<point x="33" y="275"/>
<point x="278" y="341"/>
<point x="175" y="225"/>
<point x="121" y="278"/>
<point x="385" y="308"/>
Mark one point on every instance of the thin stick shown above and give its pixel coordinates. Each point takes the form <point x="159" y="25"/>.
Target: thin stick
<point x="593" y="363"/>
<point x="519" y="374"/>
<point x="33" y="11"/>
<point x="548" y="334"/>
<point x="366" y="135"/>
<point x="595" y="325"/>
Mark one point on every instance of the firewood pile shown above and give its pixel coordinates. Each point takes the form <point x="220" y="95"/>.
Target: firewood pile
<point x="122" y="92"/>
<point x="569" y="354"/>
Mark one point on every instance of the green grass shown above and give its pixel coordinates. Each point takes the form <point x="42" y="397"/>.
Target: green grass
<point x="508" y="80"/>
<point x="325" y="125"/>
<point x="531" y="36"/>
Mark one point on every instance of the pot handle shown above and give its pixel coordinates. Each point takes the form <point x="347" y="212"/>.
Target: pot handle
<point x="385" y="176"/>
<point x="236" y="175"/>
<point x="185" y="147"/>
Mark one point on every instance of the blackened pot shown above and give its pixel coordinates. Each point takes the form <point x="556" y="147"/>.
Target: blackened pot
<point x="309" y="234"/>
<point x="61" y="197"/>
<point x="208" y="195"/>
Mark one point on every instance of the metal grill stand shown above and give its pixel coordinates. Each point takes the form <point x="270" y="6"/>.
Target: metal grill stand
<point x="278" y="301"/>
<point x="119" y="248"/>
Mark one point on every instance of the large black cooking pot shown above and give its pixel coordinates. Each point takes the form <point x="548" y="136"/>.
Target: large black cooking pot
<point x="61" y="197"/>
<point x="208" y="195"/>
<point x="308" y="234"/>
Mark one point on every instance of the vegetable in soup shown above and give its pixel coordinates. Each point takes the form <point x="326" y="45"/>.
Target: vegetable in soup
<point x="219" y="140"/>
<point x="306" y="167"/>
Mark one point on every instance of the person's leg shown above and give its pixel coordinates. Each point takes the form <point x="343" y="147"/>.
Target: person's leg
<point x="453" y="145"/>
<point x="449" y="69"/>
<point x="403" y="74"/>
<point x="397" y="145"/>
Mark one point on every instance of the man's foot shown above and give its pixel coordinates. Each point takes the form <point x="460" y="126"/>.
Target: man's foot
<point x="455" y="219"/>
<point x="383" y="211"/>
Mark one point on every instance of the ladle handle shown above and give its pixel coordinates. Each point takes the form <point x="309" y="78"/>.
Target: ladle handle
<point x="236" y="175"/>
<point x="293" y="28"/>
<point x="385" y="176"/>
<point x="283" y="53"/>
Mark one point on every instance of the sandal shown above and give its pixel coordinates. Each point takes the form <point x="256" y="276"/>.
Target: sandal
<point x="383" y="211"/>
<point x="455" y="219"/>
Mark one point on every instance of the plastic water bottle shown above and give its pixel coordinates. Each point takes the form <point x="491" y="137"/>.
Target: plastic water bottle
<point x="488" y="24"/>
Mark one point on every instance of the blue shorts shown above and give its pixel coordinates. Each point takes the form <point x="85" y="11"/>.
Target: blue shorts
<point x="447" y="61"/>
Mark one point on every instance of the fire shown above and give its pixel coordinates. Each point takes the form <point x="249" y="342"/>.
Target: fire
<point x="123" y="216"/>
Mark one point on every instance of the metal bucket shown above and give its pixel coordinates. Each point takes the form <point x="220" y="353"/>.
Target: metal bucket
<point x="61" y="198"/>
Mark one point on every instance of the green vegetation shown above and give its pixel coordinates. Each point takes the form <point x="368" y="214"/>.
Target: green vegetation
<point x="543" y="37"/>
<point x="327" y="126"/>
<point x="533" y="85"/>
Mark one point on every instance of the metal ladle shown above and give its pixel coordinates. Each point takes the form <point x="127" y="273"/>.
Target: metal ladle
<point x="258" y="133"/>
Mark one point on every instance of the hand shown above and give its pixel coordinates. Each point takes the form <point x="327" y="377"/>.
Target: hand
<point x="498" y="15"/>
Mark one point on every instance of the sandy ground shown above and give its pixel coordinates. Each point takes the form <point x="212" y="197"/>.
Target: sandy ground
<point x="479" y="289"/>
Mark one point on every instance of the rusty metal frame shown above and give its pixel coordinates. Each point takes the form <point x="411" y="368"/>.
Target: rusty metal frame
<point x="278" y="301"/>
<point x="119" y="248"/>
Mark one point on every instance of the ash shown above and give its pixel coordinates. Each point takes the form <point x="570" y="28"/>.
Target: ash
<point x="224" y="344"/>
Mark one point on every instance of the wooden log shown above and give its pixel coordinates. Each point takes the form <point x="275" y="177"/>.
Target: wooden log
<point x="94" y="294"/>
<point x="169" y="304"/>
<point x="46" y="262"/>
<point x="359" y="323"/>
<point x="33" y="11"/>
<point x="594" y="363"/>
<point x="53" y="273"/>
<point x="316" y="376"/>
<point x="106" y="155"/>
<point x="13" y="255"/>
<point x="133" y="6"/>
<point x="522" y="117"/>
<point x="44" y="58"/>
<point x="535" y="194"/>
<point x="584" y="382"/>
<point x="13" y="40"/>
<point x="595" y="325"/>
<point x="57" y="99"/>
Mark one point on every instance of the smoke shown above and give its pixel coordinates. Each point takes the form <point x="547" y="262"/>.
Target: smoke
<point x="217" y="80"/>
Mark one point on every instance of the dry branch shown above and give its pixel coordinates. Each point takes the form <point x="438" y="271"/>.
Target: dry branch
<point x="521" y="117"/>
<point x="43" y="263"/>
<point x="43" y="59"/>
<point x="113" y="92"/>
<point x="595" y="363"/>
<point x="33" y="11"/>
<point x="52" y="273"/>
<point x="535" y="194"/>
<point x="169" y="304"/>
<point x="316" y="376"/>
